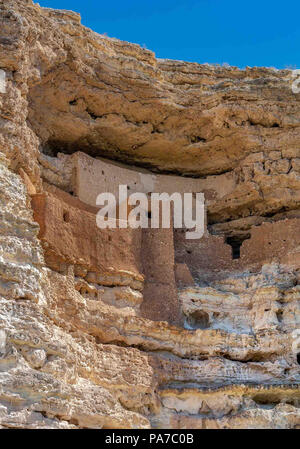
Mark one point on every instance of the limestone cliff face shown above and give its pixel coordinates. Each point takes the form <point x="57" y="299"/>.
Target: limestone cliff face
<point x="141" y="329"/>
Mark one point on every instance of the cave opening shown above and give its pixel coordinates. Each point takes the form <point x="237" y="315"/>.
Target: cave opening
<point x="198" y="320"/>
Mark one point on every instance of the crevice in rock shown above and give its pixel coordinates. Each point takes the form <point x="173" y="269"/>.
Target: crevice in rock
<point x="112" y="153"/>
<point x="272" y="400"/>
<point x="92" y="114"/>
<point x="252" y="122"/>
<point x="197" y="139"/>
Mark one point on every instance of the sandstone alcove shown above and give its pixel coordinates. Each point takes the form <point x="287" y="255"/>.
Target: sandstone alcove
<point x="92" y="322"/>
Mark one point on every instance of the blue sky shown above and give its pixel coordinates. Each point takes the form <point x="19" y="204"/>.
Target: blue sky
<point x="240" y="33"/>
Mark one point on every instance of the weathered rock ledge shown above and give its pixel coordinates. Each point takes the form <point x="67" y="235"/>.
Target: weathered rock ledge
<point x="113" y="329"/>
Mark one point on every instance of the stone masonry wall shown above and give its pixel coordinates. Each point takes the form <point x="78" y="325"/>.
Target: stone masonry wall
<point x="212" y="258"/>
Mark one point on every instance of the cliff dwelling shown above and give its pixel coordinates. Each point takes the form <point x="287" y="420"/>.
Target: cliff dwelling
<point x="143" y="328"/>
<point x="163" y="261"/>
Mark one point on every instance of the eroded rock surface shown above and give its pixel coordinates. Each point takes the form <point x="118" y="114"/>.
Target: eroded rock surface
<point x="141" y="329"/>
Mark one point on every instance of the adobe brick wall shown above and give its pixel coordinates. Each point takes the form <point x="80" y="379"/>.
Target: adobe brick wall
<point x="69" y="199"/>
<point x="272" y="241"/>
<point x="160" y="291"/>
<point x="183" y="275"/>
<point x="211" y="258"/>
<point x="93" y="176"/>
<point x="70" y="235"/>
<point x="206" y="258"/>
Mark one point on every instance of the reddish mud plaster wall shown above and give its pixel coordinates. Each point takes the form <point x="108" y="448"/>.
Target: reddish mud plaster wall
<point x="211" y="258"/>
<point x="160" y="291"/>
<point x="70" y="235"/>
<point x="183" y="275"/>
<point x="93" y="176"/>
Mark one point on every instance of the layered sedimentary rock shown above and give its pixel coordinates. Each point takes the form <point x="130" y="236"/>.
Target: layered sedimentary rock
<point x="123" y="328"/>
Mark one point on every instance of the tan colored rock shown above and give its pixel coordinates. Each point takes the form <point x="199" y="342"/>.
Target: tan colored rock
<point x="139" y="329"/>
<point x="245" y="407"/>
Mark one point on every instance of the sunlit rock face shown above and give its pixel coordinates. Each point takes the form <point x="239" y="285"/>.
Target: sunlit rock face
<point x="123" y="328"/>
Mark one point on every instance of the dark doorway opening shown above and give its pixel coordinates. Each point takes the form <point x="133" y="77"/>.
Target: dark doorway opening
<point x="236" y="242"/>
<point x="236" y="247"/>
